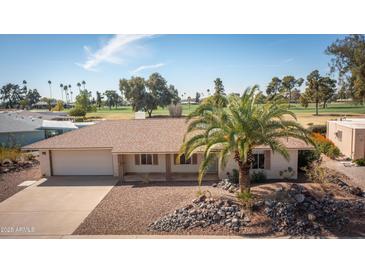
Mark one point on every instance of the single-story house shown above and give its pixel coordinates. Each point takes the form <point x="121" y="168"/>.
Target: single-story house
<point x="18" y="128"/>
<point x="349" y="136"/>
<point x="146" y="148"/>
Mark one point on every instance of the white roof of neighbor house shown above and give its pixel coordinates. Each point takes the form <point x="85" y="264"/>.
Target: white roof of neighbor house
<point x="12" y="121"/>
<point x="50" y="124"/>
<point x="351" y="123"/>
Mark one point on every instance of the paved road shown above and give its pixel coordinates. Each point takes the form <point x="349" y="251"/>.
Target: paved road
<point x="355" y="173"/>
<point x="53" y="208"/>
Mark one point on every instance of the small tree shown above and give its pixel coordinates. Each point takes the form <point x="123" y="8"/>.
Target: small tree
<point x="58" y="106"/>
<point x="99" y="99"/>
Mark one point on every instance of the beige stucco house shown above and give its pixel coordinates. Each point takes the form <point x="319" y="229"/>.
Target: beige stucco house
<point x="349" y="136"/>
<point x="147" y="149"/>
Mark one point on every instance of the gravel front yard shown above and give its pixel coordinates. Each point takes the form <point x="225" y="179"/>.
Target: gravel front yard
<point x="129" y="209"/>
<point x="9" y="182"/>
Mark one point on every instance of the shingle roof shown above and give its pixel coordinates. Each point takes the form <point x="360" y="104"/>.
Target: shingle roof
<point x="130" y="136"/>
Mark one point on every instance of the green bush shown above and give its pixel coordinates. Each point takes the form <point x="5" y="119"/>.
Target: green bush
<point x="322" y="129"/>
<point x="258" y="177"/>
<point x="333" y="152"/>
<point x="360" y="162"/>
<point x="306" y="157"/>
<point x="77" y="112"/>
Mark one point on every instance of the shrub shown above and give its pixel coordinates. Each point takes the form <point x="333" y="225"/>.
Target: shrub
<point x="360" y="162"/>
<point x="77" y="112"/>
<point x="316" y="173"/>
<point x="322" y="129"/>
<point x="258" y="177"/>
<point x="234" y="178"/>
<point x="175" y="110"/>
<point x="12" y="154"/>
<point x="306" y="157"/>
<point x="58" y="106"/>
<point x="325" y="145"/>
<point x="287" y="173"/>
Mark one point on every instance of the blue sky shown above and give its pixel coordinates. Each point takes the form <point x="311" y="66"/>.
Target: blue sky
<point x="190" y="62"/>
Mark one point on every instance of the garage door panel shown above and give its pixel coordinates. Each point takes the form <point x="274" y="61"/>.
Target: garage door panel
<point x="77" y="162"/>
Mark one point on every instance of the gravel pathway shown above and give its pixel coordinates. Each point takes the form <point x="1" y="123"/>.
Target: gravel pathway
<point x="9" y="182"/>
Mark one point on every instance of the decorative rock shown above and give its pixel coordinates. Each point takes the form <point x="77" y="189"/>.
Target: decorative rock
<point x="299" y="198"/>
<point x="311" y="217"/>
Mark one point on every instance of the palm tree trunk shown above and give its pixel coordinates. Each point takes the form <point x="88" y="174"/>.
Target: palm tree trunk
<point x="244" y="171"/>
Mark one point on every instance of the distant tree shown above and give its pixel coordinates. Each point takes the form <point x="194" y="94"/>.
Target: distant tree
<point x="327" y="90"/>
<point x="288" y="83"/>
<point x="148" y="94"/>
<point x="79" y="86"/>
<point x="318" y="89"/>
<point x="69" y="87"/>
<point x="197" y="97"/>
<point x="295" y="95"/>
<point x="111" y="98"/>
<point x="134" y="91"/>
<point x="158" y="88"/>
<point x="11" y="95"/>
<point x="219" y="97"/>
<point x="274" y="86"/>
<point x="174" y="94"/>
<point x="65" y="88"/>
<point x="99" y="99"/>
<point x="61" y="87"/>
<point x="83" y="101"/>
<point x="349" y="61"/>
<point x="83" y="83"/>
<point x="50" y="88"/>
<point x="32" y="97"/>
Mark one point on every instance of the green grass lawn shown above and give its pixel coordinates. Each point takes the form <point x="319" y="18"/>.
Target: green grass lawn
<point x="305" y="115"/>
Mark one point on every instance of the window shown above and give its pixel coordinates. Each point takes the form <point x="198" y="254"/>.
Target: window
<point x="193" y="160"/>
<point x="146" y="159"/>
<point x="258" y="161"/>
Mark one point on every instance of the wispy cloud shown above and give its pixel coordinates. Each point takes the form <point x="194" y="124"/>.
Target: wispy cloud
<point x="144" y="67"/>
<point x="111" y="52"/>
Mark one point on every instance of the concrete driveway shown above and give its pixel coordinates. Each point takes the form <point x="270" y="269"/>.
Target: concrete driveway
<point x="355" y="173"/>
<point x="53" y="208"/>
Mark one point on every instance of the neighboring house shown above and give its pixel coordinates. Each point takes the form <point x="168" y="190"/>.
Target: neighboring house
<point x="147" y="148"/>
<point x="18" y="128"/>
<point x="349" y="136"/>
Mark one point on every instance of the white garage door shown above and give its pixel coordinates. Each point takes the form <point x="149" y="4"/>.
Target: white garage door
<point x="78" y="162"/>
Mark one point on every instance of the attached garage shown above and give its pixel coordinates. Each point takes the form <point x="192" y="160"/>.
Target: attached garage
<point x="81" y="162"/>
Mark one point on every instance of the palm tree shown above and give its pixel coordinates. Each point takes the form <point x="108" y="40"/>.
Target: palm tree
<point x="238" y="128"/>
<point x="25" y="85"/>
<point x="79" y="86"/>
<point x="65" y="88"/>
<point x="69" y="86"/>
<point x="83" y="83"/>
<point x="61" y="87"/>
<point x="50" y="89"/>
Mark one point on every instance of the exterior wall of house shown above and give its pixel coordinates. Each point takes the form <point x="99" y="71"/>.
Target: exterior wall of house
<point x="115" y="165"/>
<point x="342" y="137"/>
<point x="359" y="144"/>
<point x="45" y="163"/>
<point x="21" y="138"/>
<point x="277" y="164"/>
